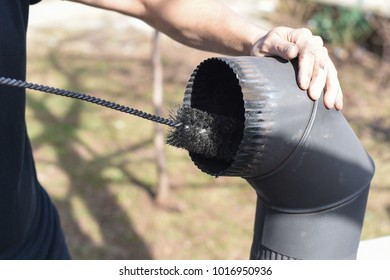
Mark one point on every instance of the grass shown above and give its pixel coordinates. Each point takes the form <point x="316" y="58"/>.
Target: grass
<point x="98" y="164"/>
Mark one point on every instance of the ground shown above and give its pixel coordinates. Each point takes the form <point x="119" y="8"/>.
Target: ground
<point x="98" y="164"/>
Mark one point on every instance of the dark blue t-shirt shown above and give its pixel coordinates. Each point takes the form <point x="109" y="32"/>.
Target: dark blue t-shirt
<point x="29" y="224"/>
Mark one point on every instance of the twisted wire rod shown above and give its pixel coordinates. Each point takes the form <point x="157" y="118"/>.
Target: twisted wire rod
<point x="90" y="99"/>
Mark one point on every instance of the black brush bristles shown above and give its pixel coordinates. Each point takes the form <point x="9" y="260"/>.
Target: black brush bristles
<point x="206" y="134"/>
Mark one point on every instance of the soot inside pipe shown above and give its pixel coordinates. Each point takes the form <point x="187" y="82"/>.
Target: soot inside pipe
<point x="214" y="88"/>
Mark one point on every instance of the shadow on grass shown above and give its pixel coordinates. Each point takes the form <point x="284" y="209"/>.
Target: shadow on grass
<point x="120" y="240"/>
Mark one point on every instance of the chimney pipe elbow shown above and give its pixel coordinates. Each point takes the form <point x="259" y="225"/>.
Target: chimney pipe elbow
<point x="302" y="159"/>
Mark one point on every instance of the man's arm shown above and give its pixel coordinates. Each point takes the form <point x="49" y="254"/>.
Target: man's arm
<point x="210" y="25"/>
<point x="201" y="24"/>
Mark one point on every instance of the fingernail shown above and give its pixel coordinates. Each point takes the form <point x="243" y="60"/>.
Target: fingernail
<point x="329" y="106"/>
<point x="339" y="104"/>
<point x="315" y="91"/>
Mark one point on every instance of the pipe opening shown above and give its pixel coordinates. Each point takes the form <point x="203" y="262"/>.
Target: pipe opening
<point x="216" y="89"/>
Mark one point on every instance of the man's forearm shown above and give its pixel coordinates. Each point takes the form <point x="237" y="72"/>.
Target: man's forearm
<point x="210" y="25"/>
<point x="202" y="24"/>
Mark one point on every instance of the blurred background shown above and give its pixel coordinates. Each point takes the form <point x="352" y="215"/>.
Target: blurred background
<point x="116" y="198"/>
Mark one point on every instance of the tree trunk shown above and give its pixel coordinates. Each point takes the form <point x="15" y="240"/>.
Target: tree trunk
<point x="163" y="188"/>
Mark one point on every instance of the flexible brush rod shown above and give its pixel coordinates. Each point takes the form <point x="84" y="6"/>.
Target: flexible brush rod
<point x="90" y="99"/>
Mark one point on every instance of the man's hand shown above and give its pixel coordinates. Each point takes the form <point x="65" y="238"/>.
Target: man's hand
<point x="316" y="71"/>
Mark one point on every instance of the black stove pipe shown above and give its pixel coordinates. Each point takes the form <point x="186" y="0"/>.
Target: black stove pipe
<point x="309" y="170"/>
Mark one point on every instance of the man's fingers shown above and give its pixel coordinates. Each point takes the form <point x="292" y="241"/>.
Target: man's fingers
<point x="319" y="74"/>
<point x="339" y="100"/>
<point x="306" y="64"/>
<point x="317" y="84"/>
<point x="312" y="62"/>
<point x="333" y="95"/>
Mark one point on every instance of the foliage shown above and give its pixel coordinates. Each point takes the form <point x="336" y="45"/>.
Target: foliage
<point x="341" y="26"/>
